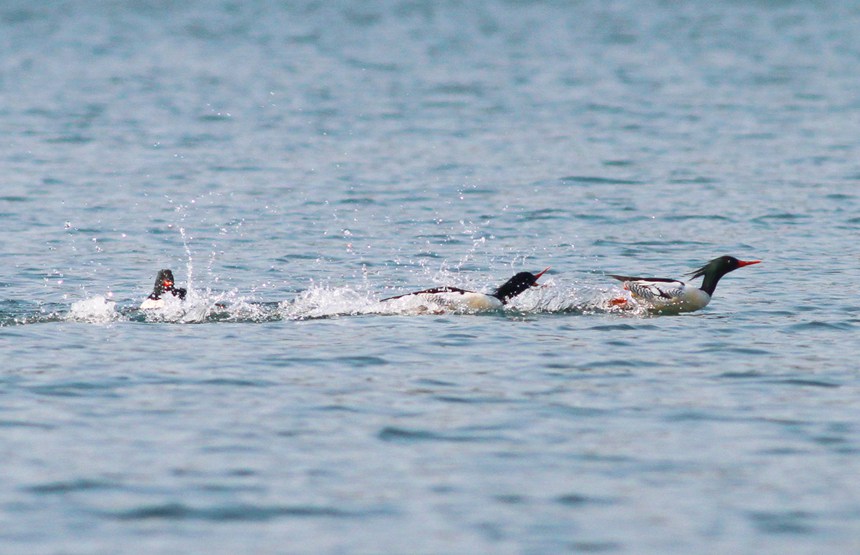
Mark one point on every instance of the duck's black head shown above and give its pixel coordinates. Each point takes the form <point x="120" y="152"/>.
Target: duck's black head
<point x="164" y="283"/>
<point x="517" y="285"/>
<point x="717" y="268"/>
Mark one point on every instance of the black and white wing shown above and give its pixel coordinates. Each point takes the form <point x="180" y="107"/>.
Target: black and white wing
<point x="653" y="289"/>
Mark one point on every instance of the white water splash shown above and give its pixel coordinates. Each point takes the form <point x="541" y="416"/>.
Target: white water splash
<point x="329" y="302"/>
<point x="575" y="299"/>
<point x="326" y="302"/>
<point x="602" y="301"/>
<point x="95" y="310"/>
<point x="197" y="307"/>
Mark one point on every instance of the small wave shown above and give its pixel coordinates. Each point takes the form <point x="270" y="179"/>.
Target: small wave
<point x="741" y="375"/>
<point x="25" y="424"/>
<point x="257" y="513"/>
<point x="815" y="325"/>
<point x="597" y="180"/>
<point x="578" y="500"/>
<point x="614" y="327"/>
<point x="394" y="434"/>
<point x="71" y="486"/>
<point x="781" y="217"/>
<point x="721" y="347"/>
<point x="803" y="382"/>
<point x="783" y="522"/>
<point x="696" y="217"/>
<point x="17" y="313"/>
<point x="236" y="382"/>
<point x="75" y="389"/>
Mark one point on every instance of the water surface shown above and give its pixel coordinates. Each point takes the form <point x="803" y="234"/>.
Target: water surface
<point x="293" y="164"/>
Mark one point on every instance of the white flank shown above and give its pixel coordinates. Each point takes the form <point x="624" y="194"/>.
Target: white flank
<point x="668" y="297"/>
<point x="151" y="304"/>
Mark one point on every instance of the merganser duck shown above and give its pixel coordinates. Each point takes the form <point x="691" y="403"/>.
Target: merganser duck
<point x="455" y="298"/>
<point x="163" y="284"/>
<point x="662" y="295"/>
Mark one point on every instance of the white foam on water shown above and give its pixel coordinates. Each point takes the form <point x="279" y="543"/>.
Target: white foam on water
<point x="329" y="302"/>
<point x="326" y="302"/>
<point x="94" y="310"/>
<point x="601" y="301"/>
<point x="197" y="307"/>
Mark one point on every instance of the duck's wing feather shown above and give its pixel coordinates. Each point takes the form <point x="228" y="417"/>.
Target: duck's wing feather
<point x="434" y="290"/>
<point x="629" y="278"/>
<point x="652" y="288"/>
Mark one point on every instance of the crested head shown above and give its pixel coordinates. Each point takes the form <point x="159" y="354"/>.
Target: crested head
<point x="517" y="285"/>
<point x="717" y="268"/>
<point x="721" y="265"/>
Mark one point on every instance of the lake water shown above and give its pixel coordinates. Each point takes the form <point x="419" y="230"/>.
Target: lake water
<point x="295" y="162"/>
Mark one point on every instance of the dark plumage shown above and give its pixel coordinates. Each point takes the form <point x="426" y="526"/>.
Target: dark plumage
<point x="516" y="285"/>
<point x="717" y="268"/>
<point x="503" y="294"/>
<point x="164" y="284"/>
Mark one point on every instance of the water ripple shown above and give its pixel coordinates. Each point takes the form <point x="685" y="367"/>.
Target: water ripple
<point x="579" y="500"/>
<point x="783" y="522"/>
<point x="234" y="513"/>
<point x="803" y="383"/>
<point x="396" y="434"/>
<point x="72" y="486"/>
<point x="597" y="180"/>
<point x="816" y="325"/>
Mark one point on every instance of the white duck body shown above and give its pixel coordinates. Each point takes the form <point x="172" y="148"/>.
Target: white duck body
<point x="444" y="299"/>
<point x="450" y="299"/>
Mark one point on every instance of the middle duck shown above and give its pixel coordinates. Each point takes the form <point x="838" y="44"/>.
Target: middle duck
<point x="463" y="300"/>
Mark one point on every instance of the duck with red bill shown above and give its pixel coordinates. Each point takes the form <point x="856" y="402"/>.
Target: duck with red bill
<point x="164" y="283"/>
<point x="671" y="296"/>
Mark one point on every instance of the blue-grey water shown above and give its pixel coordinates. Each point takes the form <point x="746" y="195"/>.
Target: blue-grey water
<point x="294" y="162"/>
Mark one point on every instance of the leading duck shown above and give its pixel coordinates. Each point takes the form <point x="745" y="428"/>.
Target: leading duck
<point x="665" y="295"/>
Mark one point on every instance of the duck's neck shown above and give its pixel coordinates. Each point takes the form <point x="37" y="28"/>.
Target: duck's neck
<point x="709" y="284"/>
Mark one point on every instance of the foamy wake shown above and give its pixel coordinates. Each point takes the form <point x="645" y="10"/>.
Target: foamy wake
<point x="335" y="302"/>
<point x="208" y="306"/>
<point x="326" y="302"/>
